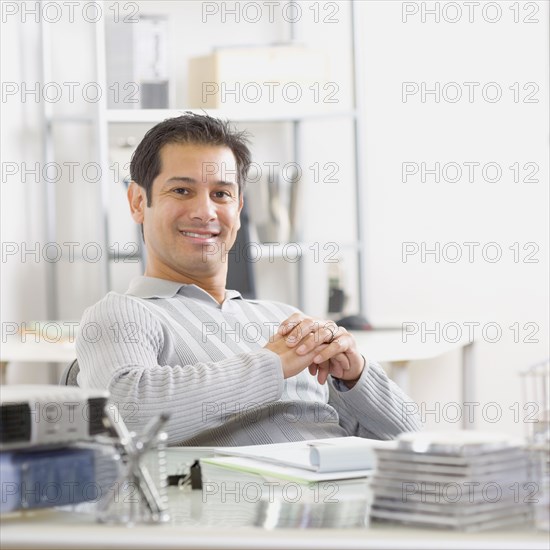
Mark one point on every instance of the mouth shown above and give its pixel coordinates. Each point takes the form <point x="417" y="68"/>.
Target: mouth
<point x="199" y="236"/>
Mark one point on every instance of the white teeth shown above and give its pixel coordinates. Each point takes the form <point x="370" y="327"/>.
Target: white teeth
<point x="197" y="235"/>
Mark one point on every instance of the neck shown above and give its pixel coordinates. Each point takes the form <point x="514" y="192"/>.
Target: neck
<point x="213" y="284"/>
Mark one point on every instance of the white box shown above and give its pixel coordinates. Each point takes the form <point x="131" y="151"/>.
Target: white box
<point x="258" y="77"/>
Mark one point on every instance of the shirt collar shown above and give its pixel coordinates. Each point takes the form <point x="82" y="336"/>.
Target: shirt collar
<point x="152" y="287"/>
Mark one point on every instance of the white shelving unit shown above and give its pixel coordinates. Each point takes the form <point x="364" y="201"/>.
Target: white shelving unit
<point x="106" y="120"/>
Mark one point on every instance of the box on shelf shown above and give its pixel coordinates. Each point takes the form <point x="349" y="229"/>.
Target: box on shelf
<point x="251" y="77"/>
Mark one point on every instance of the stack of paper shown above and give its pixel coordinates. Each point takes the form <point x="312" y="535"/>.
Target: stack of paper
<point x="462" y="480"/>
<point x="316" y="483"/>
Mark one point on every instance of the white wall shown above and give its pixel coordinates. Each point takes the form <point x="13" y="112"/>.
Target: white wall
<point x="504" y="212"/>
<point x="23" y="289"/>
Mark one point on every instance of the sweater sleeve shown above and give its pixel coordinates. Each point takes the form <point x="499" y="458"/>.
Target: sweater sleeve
<point x="375" y="407"/>
<point x="197" y="397"/>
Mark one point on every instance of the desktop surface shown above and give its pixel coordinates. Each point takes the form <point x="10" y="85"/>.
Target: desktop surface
<point x="196" y="524"/>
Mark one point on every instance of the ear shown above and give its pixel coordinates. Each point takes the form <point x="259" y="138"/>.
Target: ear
<point x="137" y="199"/>
<point x="241" y="203"/>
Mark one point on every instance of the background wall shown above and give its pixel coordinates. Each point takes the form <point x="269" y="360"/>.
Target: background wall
<point x="23" y="279"/>
<point x="399" y="42"/>
<point x="405" y="43"/>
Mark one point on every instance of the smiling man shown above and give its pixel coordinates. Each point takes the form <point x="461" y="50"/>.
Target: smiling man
<point x="182" y="342"/>
<point x="194" y="207"/>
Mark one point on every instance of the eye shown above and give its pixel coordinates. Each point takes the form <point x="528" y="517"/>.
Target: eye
<point x="222" y="194"/>
<point x="181" y="190"/>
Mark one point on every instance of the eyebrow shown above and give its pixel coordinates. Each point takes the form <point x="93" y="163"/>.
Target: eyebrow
<point x="187" y="179"/>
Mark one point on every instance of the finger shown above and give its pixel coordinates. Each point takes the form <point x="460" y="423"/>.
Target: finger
<point x="321" y="334"/>
<point x="288" y="324"/>
<point x="340" y="345"/>
<point x="339" y="331"/>
<point x="300" y="331"/>
<point x="309" y="343"/>
<point x="291" y="332"/>
<point x="333" y="328"/>
<point x="295" y="332"/>
<point x="322" y="375"/>
<point x="341" y="361"/>
<point x="314" y="369"/>
<point x="337" y="371"/>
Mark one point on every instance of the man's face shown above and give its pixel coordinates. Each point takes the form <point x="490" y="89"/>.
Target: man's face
<point x="194" y="214"/>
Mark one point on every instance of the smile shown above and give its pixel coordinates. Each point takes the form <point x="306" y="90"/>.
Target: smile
<point x="202" y="236"/>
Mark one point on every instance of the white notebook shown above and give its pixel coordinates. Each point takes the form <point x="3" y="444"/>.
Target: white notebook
<point x="338" y="454"/>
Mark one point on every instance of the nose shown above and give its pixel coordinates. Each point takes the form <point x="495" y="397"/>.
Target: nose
<point x="203" y="208"/>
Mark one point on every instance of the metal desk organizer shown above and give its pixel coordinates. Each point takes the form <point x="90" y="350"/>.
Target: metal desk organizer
<point x="536" y="404"/>
<point x="140" y="497"/>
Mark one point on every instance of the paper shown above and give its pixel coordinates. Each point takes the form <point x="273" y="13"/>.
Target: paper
<point x="270" y="470"/>
<point x="339" y="454"/>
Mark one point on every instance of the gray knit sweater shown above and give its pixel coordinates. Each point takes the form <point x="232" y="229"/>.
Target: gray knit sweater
<point x="168" y="347"/>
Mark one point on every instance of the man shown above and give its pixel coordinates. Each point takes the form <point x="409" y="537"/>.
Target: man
<point x="179" y="342"/>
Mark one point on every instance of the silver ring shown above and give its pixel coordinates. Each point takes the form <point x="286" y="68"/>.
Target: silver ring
<point x="333" y="333"/>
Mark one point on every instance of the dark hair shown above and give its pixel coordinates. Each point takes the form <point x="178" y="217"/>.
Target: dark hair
<point x="189" y="128"/>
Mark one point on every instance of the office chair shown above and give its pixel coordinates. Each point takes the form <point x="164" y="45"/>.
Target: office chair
<point x="68" y="378"/>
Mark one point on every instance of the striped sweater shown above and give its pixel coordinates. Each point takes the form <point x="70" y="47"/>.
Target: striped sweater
<point x="170" y="347"/>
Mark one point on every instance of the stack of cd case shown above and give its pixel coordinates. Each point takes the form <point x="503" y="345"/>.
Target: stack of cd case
<point x="467" y="481"/>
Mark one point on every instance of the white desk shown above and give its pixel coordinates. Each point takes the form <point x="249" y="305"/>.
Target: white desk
<point x="30" y="351"/>
<point x="387" y="346"/>
<point x="61" y="530"/>
<point x="380" y="345"/>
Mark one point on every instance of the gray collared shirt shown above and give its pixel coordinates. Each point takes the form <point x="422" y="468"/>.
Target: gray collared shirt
<point x="171" y="347"/>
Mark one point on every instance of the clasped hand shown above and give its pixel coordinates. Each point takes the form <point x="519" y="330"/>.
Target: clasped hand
<point x="321" y="346"/>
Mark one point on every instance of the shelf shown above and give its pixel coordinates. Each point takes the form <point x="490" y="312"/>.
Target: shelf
<point x="148" y="116"/>
<point x="298" y="249"/>
<point x="70" y="119"/>
<point x="295" y="121"/>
